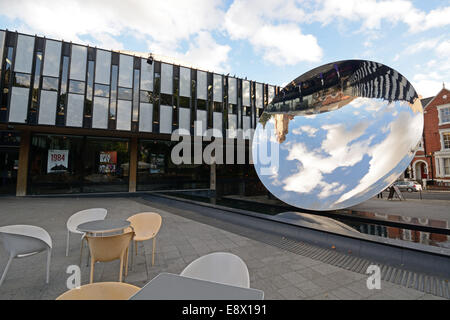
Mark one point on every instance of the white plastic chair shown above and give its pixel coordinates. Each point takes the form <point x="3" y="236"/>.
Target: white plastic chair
<point x="22" y="241"/>
<point x="221" y="267"/>
<point x="81" y="217"/>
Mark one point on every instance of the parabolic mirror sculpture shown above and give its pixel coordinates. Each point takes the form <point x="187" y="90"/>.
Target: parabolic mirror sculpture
<point x="338" y="135"/>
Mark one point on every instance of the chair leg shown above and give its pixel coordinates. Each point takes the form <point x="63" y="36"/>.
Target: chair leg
<point x="121" y="269"/>
<point x="67" y="243"/>
<point x="6" y="269"/>
<point x="92" y="272"/>
<point x="126" y="262"/>
<point x="81" y="252"/>
<point x="49" y="256"/>
<point x="153" y="251"/>
<point x="135" y="244"/>
<point x="132" y="259"/>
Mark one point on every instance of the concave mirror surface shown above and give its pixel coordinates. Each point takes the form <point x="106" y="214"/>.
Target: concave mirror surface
<point x="338" y="135"/>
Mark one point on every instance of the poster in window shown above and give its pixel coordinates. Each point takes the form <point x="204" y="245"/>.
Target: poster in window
<point x="108" y="162"/>
<point x="57" y="161"/>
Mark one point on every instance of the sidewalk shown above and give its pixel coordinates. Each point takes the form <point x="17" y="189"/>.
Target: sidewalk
<point x="280" y="274"/>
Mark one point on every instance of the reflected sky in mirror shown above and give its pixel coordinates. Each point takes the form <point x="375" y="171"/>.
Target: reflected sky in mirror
<point x="338" y="135"/>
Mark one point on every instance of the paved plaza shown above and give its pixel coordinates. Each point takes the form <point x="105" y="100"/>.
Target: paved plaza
<point x="279" y="273"/>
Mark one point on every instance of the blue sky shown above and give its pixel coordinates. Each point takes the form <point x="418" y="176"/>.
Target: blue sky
<point x="266" y="40"/>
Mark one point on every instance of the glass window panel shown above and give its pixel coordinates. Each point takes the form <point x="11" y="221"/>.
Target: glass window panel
<point x="445" y="115"/>
<point x="185" y="82"/>
<point x="102" y="66"/>
<point x="201" y="85"/>
<point x="200" y="123"/>
<point x="166" y="99"/>
<point x="217" y="87"/>
<point x="126" y="71"/>
<point x="114" y="78"/>
<point x="76" y="87"/>
<point x="22" y="80"/>
<point x="47" y="107"/>
<point x="246" y="126"/>
<point x="146" y="75"/>
<point x="232" y="126"/>
<point x="50" y="84"/>
<point x="446" y="140"/>
<point x="232" y="84"/>
<point x="136" y="95"/>
<point x="259" y="95"/>
<point x="100" y="115"/>
<point x="52" y="58"/>
<point x="75" y="106"/>
<point x="78" y="63"/>
<point x="125" y="93"/>
<point x="146" y="97"/>
<point x="166" y="78"/>
<point x="217" y="124"/>
<point x="184" y="119"/>
<point x="101" y="90"/>
<point x="145" y="117"/>
<point x="271" y="93"/>
<point x="24" y="54"/>
<point x="2" y="44"/>
<point x="123" y="115"/>
<point x="245" y="93"/>
<point x="19" y="104"/>
<point x="90" y="80"/>
<point x="165" y="119"/>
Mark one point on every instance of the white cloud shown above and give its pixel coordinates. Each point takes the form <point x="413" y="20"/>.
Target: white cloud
<point x="272" y="28"/>
<point x="166" y="23"/>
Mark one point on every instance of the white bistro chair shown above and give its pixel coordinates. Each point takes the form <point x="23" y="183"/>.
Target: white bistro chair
<point x="221" y="267"/>
<point x="22" y="241"/>
<point x="81" y="217"/>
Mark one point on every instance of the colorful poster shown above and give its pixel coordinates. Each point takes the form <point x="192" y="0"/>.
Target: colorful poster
<point x="58" y="161"/>
<point x="108" y="162"/>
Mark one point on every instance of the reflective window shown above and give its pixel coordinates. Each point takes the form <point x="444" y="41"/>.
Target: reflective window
<point x="90" y="80"/>
<point x="126" y="71"/>
<point x="75" y="104"/>
<point x="201" y="85"/>
<point x="22" y="80"/>
<point x="101" y="90"/>
<point x="245" y="93"/>
<point x="259" y="95"/>
<point x="185" y="82"/>
<point x="156" y="171"/>
<point x="100" y="114"/>
<point x="217" y="124"/>
<point x="166" y="78"/>
<point x="166" y="99"/>
<point x="102" y="66"/>
<point x="444" y="115"/>
<point x="52" y="58"/>
<point x="35" y="90"/>
<point x="146" y="96"/>
<point x="217" y="86"/>
<point x="123" y="115"/>
<point x="24" y="54"/>
<point x="63" y="92"/>
<point x="47" y="107"/>
<point x="185" y="119"/>
<point x="232" y="126"/>
<point x="145" y="117"/>
<point x="2" y="43"/>
<point x="114" y="79"/>
<point x="50" y="83"/>
<point x="136" y="95"/>
<point x="78" y="63"/>
<point x="76" y="87"/>
<point x="125" y="94"/>
<point x="446" y="140"/>
<point x="271" y="93"/>
<point x="232" y="97"/>
<point x="200" y="123"/>
<point x="18" y="105"/>
<point x="146" y="75"/>
<point x="165" y="119"/>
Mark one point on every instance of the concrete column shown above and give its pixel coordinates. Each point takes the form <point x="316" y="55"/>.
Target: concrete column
<point x="22" y="173"/>
<point x="133" y="164"/>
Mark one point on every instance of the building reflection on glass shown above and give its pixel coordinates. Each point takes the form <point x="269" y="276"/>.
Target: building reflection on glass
<point x="345" y="131"/>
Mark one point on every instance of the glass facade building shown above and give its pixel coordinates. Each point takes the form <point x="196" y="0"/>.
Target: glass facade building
<point x="93" y="120"/>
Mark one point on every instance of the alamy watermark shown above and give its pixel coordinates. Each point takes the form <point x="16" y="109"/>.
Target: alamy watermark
<point x="263" y="151"/>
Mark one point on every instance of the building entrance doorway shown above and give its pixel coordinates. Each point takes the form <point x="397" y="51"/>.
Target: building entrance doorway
<point x="421" y="170"/>
<point x="9" y="161"/>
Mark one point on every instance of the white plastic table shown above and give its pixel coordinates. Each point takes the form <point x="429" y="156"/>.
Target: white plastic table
<point x="169" y="286"/>
<point x="103" y="226"/>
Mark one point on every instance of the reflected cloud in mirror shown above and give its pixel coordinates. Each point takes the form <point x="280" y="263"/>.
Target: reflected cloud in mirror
<point x="338" y="135"/>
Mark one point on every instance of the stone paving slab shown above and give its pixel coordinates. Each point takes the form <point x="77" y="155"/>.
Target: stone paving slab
<point x="280" y="274"/>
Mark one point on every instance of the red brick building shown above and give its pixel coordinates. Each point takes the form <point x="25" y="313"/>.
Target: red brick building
<point x="432" y="160"/>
